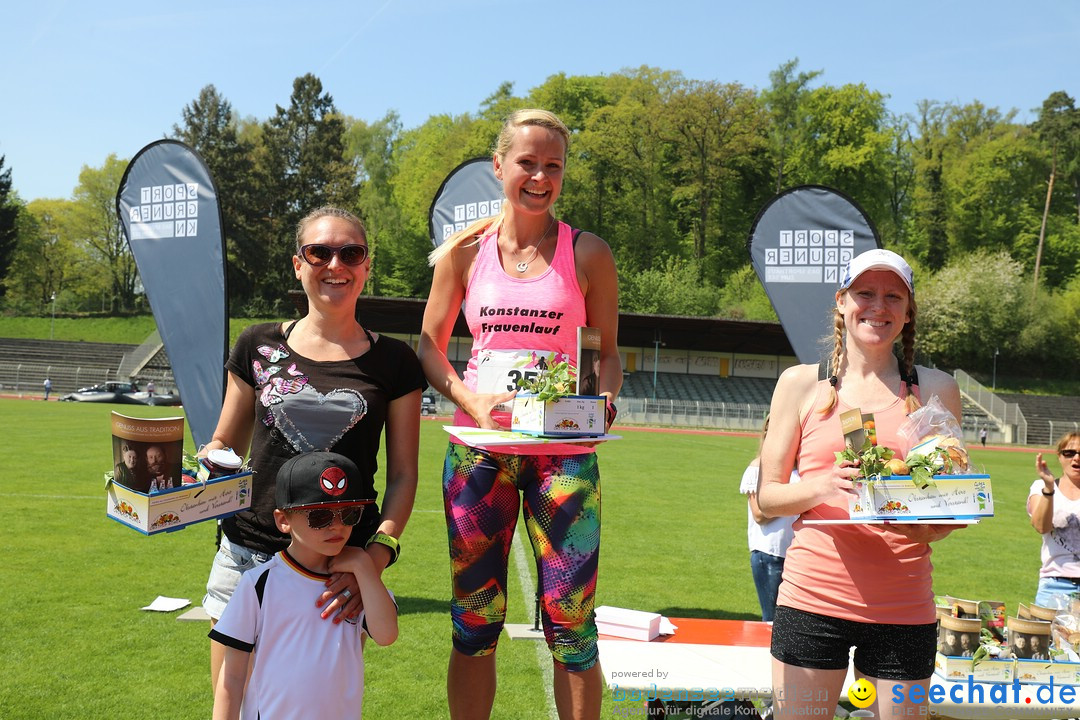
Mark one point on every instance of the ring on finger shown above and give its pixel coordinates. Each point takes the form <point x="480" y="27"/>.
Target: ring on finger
<point x="346" y="593"/>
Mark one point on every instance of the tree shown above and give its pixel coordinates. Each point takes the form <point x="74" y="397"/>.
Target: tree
<point x="1058" y="123"/>
<point x="371" y="148"/>
<point x="423" y="157"/>
<point x="782" y="100"/>
<point x="900" y="166"/>
<point x="672" y="288"/>
<point x="973" y="305"/>
<point x="627" y="153"/>
<point x="211" y="128"/>
<point x="48" y="261"/>
<point x="992" y="189"/>
<point x="304" y="167"/>
<point x="845" y="144"/>
<point x="718" y="132"/>
<point x="9" y="215"/>
<point x="572" y="98"/>
<point x="98" y="230"/>
<point x="930" y="240"/>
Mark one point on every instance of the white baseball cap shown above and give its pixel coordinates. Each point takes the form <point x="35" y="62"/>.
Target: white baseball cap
<point x="878" y="259"/>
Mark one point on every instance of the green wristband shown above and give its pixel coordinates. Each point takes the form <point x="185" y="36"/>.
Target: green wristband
<point x="390" y="542"/>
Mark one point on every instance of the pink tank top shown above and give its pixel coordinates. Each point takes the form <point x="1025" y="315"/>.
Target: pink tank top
<point x="863" y="573"/>
<point x="520" y="324"/>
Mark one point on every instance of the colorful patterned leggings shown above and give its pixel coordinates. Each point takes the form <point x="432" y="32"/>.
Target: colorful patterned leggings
<point x="561" y="496"/>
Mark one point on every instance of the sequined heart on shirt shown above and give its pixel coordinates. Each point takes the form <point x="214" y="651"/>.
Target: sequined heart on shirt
<point x="312" y="421"/>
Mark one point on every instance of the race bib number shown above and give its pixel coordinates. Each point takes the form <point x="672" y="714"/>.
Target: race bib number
<point x="498" y="371"/>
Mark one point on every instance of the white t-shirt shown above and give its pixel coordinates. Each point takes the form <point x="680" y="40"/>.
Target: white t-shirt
<point x="772" y="536"/>
<point x="304" y="666"/>
<point x="1060" y="546"/>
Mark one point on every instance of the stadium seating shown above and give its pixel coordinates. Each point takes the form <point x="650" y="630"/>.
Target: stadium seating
<point x="705" y="388"/>
<point x="1047" y="417"/>
<point x="70" y="365"/>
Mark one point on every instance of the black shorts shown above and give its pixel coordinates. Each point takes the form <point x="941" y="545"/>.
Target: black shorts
<point x="888" y="652"/>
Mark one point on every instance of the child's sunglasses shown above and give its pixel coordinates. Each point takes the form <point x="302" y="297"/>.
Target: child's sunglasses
<point x="319" y="518"/>
<point x="319" y="255"/>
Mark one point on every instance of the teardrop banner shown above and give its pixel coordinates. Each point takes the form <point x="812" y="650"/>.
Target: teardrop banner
<point x="168" y="207"/>
<point x="799" y="244"/>
<point x="470" y="192"/>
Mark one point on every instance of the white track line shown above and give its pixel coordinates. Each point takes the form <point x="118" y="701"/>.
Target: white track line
<point x="528" y="592"/>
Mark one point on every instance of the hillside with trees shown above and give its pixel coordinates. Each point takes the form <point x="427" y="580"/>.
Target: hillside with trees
<point x="670" y="170"/>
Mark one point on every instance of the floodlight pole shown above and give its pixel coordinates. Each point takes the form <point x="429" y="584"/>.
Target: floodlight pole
<point x="655" y="362"/>
<point x="994" y="381"/>
<point x="52" y="323"/>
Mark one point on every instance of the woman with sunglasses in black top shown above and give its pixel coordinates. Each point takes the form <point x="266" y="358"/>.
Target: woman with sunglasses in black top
<point x="320" y="383"/>
<point x="1054" y="507"/>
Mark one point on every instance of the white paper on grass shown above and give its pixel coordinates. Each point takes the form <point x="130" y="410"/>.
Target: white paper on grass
<point x="167" y="604"/>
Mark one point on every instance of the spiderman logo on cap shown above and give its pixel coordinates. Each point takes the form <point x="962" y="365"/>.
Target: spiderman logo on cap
<point x="333" y="481"/>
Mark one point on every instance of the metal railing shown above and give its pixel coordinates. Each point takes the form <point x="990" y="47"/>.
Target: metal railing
<point x="1060" y="427"/>
<point x="692" y="413"/>
<point x="134" y="361"/>
<point x="1008" y="417"/>
<point x="26" y="378"/>
<point x="673" y="413"/>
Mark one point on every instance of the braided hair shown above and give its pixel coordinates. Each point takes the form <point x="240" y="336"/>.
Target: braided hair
<point x="907" y="362"/>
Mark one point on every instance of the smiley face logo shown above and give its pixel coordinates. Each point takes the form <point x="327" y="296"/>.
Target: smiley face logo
<point x="862" y="693"/>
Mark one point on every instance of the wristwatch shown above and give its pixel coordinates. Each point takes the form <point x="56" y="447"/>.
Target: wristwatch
<point x="390" y="542"/>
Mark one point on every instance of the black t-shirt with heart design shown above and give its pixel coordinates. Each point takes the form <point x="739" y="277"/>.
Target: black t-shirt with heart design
<point x="304" y="405"/>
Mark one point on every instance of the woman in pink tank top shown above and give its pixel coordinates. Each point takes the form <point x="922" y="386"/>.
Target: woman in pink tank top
<point x="851" y="585"/>
<point x="527" y="283"/>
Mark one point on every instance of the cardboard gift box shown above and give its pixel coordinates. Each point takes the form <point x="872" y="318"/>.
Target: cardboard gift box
<point x="569" y="416"/>
<point x="990" y="670"/>
<point x="175" y="508"/>
<point x="958" y="497"/>
<point x="631" y="624"/>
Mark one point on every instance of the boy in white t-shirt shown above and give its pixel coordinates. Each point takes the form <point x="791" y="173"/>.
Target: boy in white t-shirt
<point x="303" y="666"/>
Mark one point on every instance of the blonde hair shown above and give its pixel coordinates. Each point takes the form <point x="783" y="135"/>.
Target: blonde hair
<point x="907" y="345"/>
<point x="1067" y="439"/>
<point x="486" y="226"/>
<point x="327" y="211"/>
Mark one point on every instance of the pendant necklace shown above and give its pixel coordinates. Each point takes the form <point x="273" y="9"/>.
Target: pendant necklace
<point x="524" y="264"/>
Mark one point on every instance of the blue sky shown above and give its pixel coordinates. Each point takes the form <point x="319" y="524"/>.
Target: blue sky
<point x="83" y="80"/>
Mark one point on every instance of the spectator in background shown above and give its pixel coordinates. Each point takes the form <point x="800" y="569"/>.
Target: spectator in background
<point x="150" y="387"/>
<point x="982" y="436"/>
<point x="48" y="387"/>
<point x="768" y="538"/>
<point x="1054" y="507"/>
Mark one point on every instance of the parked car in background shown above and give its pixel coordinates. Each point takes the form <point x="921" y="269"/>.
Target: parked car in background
<point x="427" y="405"/>
<point x="125" y="393"/>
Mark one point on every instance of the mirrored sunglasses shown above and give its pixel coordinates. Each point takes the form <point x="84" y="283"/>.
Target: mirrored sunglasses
<point x="319" y="518"/>
<point x="1069" y="453"/>
<point x="319" y="255"/>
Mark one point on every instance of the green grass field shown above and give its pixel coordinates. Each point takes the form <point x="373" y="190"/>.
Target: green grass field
<point x="76" y="644"/>
<point x="131" y="330"/>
